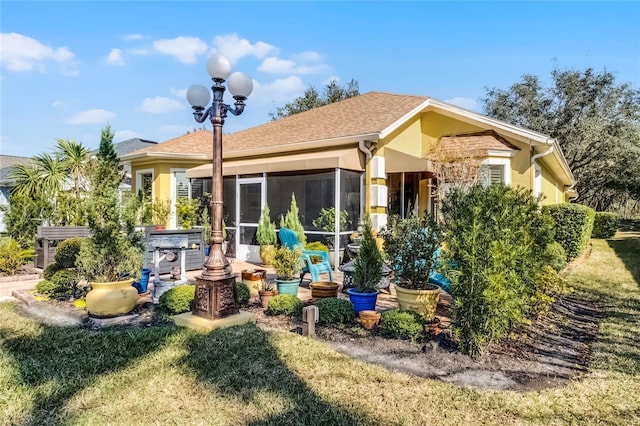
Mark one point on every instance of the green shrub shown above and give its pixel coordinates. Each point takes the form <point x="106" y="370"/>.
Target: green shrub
<point x="549" y="285"/>
<point x="12" y="257"/>
<point x="242" y="293"/>
<point x="316" y="245"/>
<point x="177" y="300"/>
<point x="605" y="225"/>
<point x="65" y="279"/>
<point x="284" y="304"/>
<point x="573" y="225"/>
<point x="49" y="288"/>
<point x="67" y="252"/>
<point x="554" y="256"/>
<point x="333" y="310"/>
<point x="495" y="240"/>
<point x="402" y="324"/>
<point x="50" y="270"/>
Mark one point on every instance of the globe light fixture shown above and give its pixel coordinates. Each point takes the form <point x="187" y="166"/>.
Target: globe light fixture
<point x="215" y="288"/>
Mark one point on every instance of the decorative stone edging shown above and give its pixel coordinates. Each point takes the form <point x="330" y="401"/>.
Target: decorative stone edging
<point x="20" y="278"/>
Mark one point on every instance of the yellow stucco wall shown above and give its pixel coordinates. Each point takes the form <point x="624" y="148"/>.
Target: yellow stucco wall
<point x="161" y="174"/>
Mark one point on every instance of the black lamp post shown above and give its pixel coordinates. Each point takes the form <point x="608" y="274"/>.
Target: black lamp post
<point x="215" y="288"/>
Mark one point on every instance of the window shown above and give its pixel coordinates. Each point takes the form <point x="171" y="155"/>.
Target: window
<point x="495" y="171"/>
<point x="144" y="182"/>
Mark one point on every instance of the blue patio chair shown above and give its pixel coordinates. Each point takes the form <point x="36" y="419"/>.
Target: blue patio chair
<point x="289" y="239"/>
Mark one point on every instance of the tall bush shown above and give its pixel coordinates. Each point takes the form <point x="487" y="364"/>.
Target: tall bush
<point x="266" y="233"/>
<point x="12" y="257"/>
<point x="605" y="225"/>
<point x="495" y="237"/>
<point x="292" y="221"/>
<point x="573" y="226"/>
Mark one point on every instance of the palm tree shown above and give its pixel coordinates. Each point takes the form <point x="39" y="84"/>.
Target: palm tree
<point x="76" y="158"/>
<point x="53" y="173"/>
<point x="26" y="179"/>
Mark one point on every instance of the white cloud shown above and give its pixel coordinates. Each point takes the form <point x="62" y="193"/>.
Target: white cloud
<point x="184" y="49"/>
<point x="131" y="37"/>
<point x="278" y="91"/>
<point x="179" y="93"/>
<point x="115" y="57"/>
<point x="233" y="47"/>
<point x="274" y="65"/>
<point x="20" y="53"/>
<point x="309" y="56"/>
<point x="468" y="103"/>
<point x="58" y="104"/>
<point x="174" y="129"/>
<point x="160" y="105"/>
<point x="122" y="135"/>
<point x="92" y="116"/>
<point x="137" y="52"/>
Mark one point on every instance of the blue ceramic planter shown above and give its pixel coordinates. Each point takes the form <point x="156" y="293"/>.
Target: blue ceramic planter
<point x="363" y="301"/>
<point x="288" y="287"/>
<point x="143" y="285"/>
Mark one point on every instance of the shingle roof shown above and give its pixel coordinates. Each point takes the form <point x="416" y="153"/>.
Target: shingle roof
<point x="6" y="162"/>
<point x="359" y="115"/>
<point x="476" y="144"/>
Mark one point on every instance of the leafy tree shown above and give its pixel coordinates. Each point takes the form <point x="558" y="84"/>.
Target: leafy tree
<point x="311" y="98"/>
<point x="76" y="159"/>
<point x="596" y="122"/>
<point x="23" y="215"/>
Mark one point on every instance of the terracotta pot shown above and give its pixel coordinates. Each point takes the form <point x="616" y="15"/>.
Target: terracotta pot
<point x="111" y="299"/>
<point x="422" y="301"/>
<point x="321" y="289"/>
<point x="265" y="296"/>
<point x="369" y="319"/>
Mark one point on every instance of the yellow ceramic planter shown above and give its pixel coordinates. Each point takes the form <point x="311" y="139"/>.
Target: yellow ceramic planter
<point x="422" y="301"/>
<point x="111" y="299"/>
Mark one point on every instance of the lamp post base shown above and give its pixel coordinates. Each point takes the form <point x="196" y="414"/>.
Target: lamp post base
<point x="215" y="298"/>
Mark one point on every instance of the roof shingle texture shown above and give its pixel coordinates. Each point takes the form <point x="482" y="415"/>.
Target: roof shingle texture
<point x="368" y="113"/>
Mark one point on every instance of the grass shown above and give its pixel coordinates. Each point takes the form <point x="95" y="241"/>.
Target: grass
<point x="243" y="375"/>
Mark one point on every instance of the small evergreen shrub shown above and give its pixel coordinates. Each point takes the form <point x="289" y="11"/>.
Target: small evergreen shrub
<point x="242" y="293"/>
<point x="50" y="270"/>
<point x="573" y="225"/>
<point x="67" y="252"/>
<point x="65" y="279"/>
<point x="605" y="225"/>
<point x="555" y="256"/>
<point x="11" y="256"/>
<point x="49" y="288"/>
<point x="402" y="324"/>
<point x="177" y="300"/>
<point x="316" y="245"/>
<point x="284" y="304"/>
<point x="549" y="285"/>
<point x="333" y="310"/>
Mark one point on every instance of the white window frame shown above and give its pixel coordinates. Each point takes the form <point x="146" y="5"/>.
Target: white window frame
<point x="173" y="221"/>
<point x="139" y="174"/>
<point x="504" y="162"/>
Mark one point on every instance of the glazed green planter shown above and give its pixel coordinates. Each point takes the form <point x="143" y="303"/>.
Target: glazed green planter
<point x="288" y="286"/>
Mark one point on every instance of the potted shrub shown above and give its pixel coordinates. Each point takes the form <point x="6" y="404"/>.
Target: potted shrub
<point x="411" y="245"/>
<point x="266" y="292"/>
<point x="326" y="221"/>
<point x="367" y="272"/>
<point x="266" y="236"/>
<point x="288" y="267"/>
<point x="161" y="211"/>
<point x="292" y="221"/>
<point x="110" y="259"/>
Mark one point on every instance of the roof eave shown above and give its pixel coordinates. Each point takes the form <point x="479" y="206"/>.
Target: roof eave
<point x="160" y="154"/>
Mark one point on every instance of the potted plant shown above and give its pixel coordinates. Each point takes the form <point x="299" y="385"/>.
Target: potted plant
<point x="291" y="220"/>
<point x="367" y="272"/>
<point x="411" y="245"/>
<point x="110" y="259"/>
<point x="266" y="292"/>
<point x="266" y="236"/>
<point x="288" y="267"/>
<point x="161" y="210"/>
<point x="326" y="221"/>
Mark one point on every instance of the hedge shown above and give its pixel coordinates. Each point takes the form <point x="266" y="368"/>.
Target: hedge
<point x="605" y="225"/>
<point x="573" y="224"/>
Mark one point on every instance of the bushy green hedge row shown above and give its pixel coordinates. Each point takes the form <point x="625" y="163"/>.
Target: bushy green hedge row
<point x="573" y="225"/>
<point x="333" y="310"/>
<point x="177" y="300"/>
<point x="605" y="225"/>
<point x="284" y="304"/>
<point x="402" y="324"/>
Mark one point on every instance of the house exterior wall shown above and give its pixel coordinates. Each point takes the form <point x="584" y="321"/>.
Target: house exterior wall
<point x="162" y="174"/>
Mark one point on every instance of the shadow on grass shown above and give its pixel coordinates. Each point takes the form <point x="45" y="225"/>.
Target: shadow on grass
<point x="628" y="250"/>
<point x="72" y="358"/>
<point x="243" y="362"/>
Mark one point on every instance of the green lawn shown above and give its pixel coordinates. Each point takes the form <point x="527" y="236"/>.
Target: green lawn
<point x="244" y="375"/>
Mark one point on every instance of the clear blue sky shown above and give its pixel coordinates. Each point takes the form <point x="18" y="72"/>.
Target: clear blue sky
<point x="68" y="68"/>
